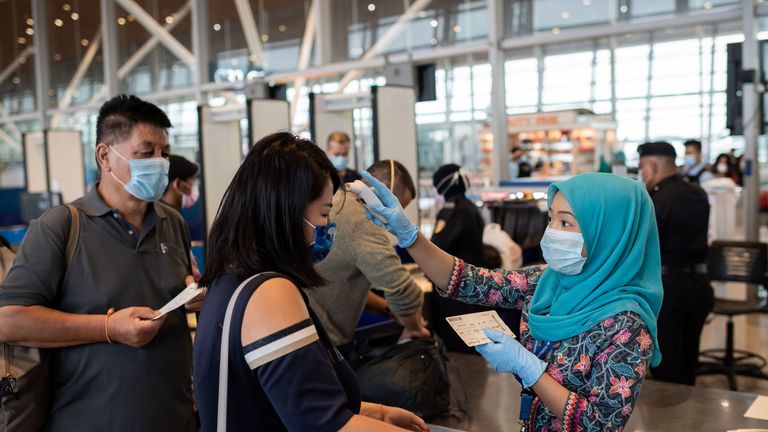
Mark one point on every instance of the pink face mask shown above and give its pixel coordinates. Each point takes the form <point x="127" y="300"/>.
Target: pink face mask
<point x="188" y="201"/>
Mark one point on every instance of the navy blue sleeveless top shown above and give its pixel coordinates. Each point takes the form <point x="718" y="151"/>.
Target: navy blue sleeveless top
<point x="291" y="380"/>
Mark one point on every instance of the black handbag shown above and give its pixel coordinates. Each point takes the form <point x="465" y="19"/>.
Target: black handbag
<point x="412" y="375"/>
<point x="24" y="372"/>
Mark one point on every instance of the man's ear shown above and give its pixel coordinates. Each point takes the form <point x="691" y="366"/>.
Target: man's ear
<point x="102" y="156"/>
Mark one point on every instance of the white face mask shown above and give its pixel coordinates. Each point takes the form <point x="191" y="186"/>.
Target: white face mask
<point x="722" y="168"/>
<point x="562" y="251"/>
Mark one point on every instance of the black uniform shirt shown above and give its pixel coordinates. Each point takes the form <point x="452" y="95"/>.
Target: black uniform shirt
<point x="682" y="213"/>
<point x="459" y="230"/>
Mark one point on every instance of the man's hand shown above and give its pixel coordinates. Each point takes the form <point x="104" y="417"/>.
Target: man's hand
<point x="415" y="326"/>
<point x="404" y="419"/>
<point x="196" y="303"/>
<point x="133" y="326"/>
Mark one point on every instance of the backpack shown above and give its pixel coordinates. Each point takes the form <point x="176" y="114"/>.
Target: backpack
<point x="24" y="371"/>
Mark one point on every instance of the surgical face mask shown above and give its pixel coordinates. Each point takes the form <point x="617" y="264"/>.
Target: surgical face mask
<point x="690" y="160"/>
<point x="722" y="168"/>
<point x="340" y="162"/>
<point x="562" y="251"/>
<point x="188" y="201"/>
<point x="323" y="241"/>
<point x="149" y="177"/>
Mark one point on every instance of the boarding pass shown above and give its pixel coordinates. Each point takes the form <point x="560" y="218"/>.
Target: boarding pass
<point x="470" y="327"/>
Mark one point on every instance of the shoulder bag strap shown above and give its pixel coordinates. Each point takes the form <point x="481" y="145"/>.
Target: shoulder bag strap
<point x="74" y="234"/>
<point x="221" y="417"/>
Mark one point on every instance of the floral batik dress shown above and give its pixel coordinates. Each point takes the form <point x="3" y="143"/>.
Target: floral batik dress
<point x="603" y="367"/>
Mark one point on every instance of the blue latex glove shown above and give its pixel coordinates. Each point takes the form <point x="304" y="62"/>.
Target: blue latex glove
<point x="506" y="354"/>
<point x="398" y="223"/>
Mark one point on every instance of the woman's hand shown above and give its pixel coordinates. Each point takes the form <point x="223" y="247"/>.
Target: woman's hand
<point x="506" y="354"/>
<point x="397" y="221"/>
<point x="402" y="418"/>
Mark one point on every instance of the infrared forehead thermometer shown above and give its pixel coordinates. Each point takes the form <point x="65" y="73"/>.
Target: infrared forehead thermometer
<point x="366" y="197"/>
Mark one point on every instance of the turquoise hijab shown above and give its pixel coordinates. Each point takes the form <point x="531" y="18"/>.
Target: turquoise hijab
<point x="623" y="267"/>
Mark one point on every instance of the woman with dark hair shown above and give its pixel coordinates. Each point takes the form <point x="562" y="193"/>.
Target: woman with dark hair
<point x="723" y="166"/>
<point x="281" y="371"/>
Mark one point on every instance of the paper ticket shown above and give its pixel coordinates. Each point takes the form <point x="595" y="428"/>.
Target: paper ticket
<point x="470" y="327"/>
<point x="180" y="300"/>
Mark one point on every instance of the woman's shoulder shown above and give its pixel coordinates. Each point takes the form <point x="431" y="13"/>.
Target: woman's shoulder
<point x="626" y="327"/>
<point x="275" y="305"/>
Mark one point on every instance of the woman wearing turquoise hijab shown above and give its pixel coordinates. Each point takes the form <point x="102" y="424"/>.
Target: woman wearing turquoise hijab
<point x="588" y="331"/>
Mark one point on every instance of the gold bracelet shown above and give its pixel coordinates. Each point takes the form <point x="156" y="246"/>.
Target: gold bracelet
<point x="106" y="323"/>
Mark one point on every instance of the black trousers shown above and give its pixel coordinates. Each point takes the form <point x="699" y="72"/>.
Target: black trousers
<point x="688" y="299"/>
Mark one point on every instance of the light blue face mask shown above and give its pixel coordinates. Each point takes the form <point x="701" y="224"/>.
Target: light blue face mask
<point x="690" y="160"/>
<point x="149" y="177"/>
<point x="340" y="162"/>
<point x="562" y="251"/>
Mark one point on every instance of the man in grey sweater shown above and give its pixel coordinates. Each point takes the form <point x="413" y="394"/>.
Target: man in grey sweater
<point x="363" y="257"/>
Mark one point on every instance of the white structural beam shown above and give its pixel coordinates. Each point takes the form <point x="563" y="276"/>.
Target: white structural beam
<point x="752" y="119"/>
<point x="42" y="71"/>
<point x="200" y="44"/>
<point x="18" y="61"/>
<point x="305" y="54"/>
<point x="163" y="35"/>
<point x="386" y="39"/>
<point x="109" y="44"/>
<point x="74" y="83"/>
<point x="499" y="127"/>
<point x="323" y="32"/>
<point x="139" y="55"/>
<point x="607" y="30"/>
<point x="252" y="38"/>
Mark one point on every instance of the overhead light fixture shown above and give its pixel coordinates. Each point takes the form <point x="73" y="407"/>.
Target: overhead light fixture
<point x="624" y="8"/>
<point x="433" y="41"/>
<point x="21" y="40"/>
<point x="556" y="30"/>
<point x="75" y="16"/>
<point x="131" y="18"/>
<point x="30" y="31"/>
<point x="84" y="42"/>
<point x="168" y="19"/>
<point x="216" y="27"/>
<point x="282" y="28"/>
<point x="456" y="28"/>
<point x="371" y="7"/>
<point x="66" y="7"/>
<point x="57" y="57"/>
<point x="586" y="2"/>
<point x="58" y="23"/>
<point x="265" y="38"/>
<point x="565" y="15"/>
<point x="434" y="23"/>
<point x="30" y="21"/>
<point x="121" y="21"/>
<point x="16" y="80"/>
<point x="708" y="5"/>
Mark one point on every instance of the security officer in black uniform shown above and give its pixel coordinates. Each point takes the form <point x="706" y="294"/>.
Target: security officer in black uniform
<point x="682" y="214"/>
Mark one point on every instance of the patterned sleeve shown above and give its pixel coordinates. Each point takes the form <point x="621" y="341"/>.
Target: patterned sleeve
<point x="616" y="372"/>
<point x="496" y="288"/>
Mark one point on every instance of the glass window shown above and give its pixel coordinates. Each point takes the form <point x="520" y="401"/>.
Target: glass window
<point x="567" y="78"/>
<point x="675" y="117"/>
<point x="550" y="14"/>
<point x="632" y="71"/>
<point x="521" y="77"/>
<point x="676" y="67"/>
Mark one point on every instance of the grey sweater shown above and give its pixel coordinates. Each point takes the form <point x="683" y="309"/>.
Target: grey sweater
<point x="362" y="258"/>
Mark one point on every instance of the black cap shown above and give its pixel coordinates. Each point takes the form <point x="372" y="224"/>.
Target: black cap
<point x="181" y="168"/>
<point x="658" y="148"/>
